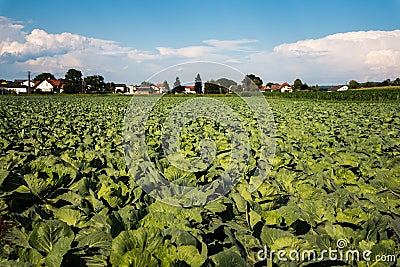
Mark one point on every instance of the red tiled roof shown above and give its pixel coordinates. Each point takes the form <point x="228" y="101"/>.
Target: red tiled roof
<point x="54" y="83"/>
<point x="191" y="87"/>
<point x="284" y="84"/>
<point x="275" y="86"/>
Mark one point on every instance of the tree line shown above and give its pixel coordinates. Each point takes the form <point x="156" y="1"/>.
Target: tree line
<point x="74" y="82"/>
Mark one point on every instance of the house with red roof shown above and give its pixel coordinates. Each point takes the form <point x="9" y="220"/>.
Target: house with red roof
<point x="286" y="87"/>
<point x="190" y="89"/>
<point x="49" y="86"/>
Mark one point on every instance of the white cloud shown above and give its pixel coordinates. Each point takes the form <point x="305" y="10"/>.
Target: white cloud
<point x="188" y="52"/>
<point x="363" y="55"/>
<point x="10" y="29"/>
<point x="231" y="45"/>
<point x="337" y="58"/>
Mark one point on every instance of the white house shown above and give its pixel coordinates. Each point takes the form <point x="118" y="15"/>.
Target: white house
<point x="131" y="89"/>
<point x="161" y="88"/>
<point x="16" y="87"/>
<point x="285" y="87"/>
<point x="120" y="88"/>
<point x="25" y="83"/>
<point x="48" y="86"/>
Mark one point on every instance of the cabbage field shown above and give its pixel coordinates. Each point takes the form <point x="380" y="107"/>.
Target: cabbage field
<point x="68" y="199"/>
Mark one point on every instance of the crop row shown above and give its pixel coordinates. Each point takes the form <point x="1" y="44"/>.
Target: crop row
<point x="68" y="199"/>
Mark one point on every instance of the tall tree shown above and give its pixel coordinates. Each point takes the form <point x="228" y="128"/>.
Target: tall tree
<point x="73" y="81"/>
<point x="177" y="82"/>
<point x="252" y="82"/>
<point x="353" y="84"/>
<point x="211" y="87"/>
<point x="95" y="83"/>
<point x="44" y="76"/>
<point x="178" y="88"/>
<point x="166" y="86"/>
<point x="226" y="83"/>
<point x="297" y="84"/>
<point x="304" y="86"/>
<point x="110" y="86"/>
<point x="198" y="85"/>
<point x="385" y="82"/>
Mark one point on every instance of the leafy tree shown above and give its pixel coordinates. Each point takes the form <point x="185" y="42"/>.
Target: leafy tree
<point x="269" y="84"/>
<point x="252" y="82"/>
<point x="353" y="84"/>
<point x="95" y="83"/>
<point x="177" y="82"/>
<point x="146" y="83"/>
<point x="178" y="88"/>
<point x="396" y="82"/>
<point x="198" y="86"/>
<point x="44" y="76"/>
<point x="110" y="86"/>
<point x="73" y="81"/>
<point x="226" y="83"/>
<point x="385" y="82"/>
<point x="166" y="85"/>
<point x="297" y="84"/>
<point x="212" y="87"/>
<point x="304" y="87"/>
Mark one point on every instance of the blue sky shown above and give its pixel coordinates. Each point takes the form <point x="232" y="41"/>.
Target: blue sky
<point x="249" y="35"/>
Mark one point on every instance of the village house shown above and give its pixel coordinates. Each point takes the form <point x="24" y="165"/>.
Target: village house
<point x="144" y="90"/>
<point x="161" y="88"/>
<point x="49" y="86"/>
<point x="15" y="87"/>
<point x="120" y="88"/>
<point x="189" y="89"/>
<point x="286" y="87"/>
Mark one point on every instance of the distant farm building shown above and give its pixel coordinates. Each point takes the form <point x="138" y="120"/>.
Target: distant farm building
<point x="338" y="88"/>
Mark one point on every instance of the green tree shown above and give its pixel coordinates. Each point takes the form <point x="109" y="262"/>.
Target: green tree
<point x="385" y="82"/>
<point x="177" y="82"/>
<point x="269" y="84"/>
<point x="178" y="88"/>
<point x="252" y="82"/>
<point x="166" y="85"/>
<point x="95" y="83"/>
<point x="198" y="86"/>
<point x="353" y="84"/>
<point x="44" y="76"/>
<point x="73" y="81"/>
<point x="396" y="82"/>
<point x="146" y="83"/>
<point x="212" y="87"/>
<point x="297" y="84"/>
<point x="110" y="86"/>
<point x="226" y="83"/>
<point x="304" y="86"/>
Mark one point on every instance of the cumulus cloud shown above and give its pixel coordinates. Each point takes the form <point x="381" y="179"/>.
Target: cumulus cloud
<point x="364" y="55"/>
<point x="336" y="58"/>
<point x="10" y="29"/>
